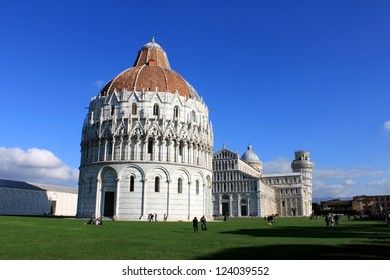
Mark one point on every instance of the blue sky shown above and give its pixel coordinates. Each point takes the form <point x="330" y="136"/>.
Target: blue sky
<point x="279" y="75"/>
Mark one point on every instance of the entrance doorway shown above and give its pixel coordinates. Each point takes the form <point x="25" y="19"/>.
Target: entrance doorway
<point x="244" y="207"/>
<point x="109" y="202"/>
<point x="53" y="206"/>
<point x="225" y="208"/>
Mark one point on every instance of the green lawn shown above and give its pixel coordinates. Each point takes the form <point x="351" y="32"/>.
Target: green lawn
<point x="247" y="238"/>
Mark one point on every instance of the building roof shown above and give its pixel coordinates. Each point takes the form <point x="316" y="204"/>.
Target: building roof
<point x="150" y="72"/>
<point x="35" y="186"/>
<point x="250" y="156"/>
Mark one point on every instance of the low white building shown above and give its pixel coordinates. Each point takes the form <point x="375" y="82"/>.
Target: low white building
<point x="24" y="198"/>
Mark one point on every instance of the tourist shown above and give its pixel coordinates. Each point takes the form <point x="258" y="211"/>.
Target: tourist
<point x="332" y="220"/>
<point x="336" y="219"/>
<point x="195" y="224"/>
<point x="203" y="223"/>
<point x="327" y="220"/>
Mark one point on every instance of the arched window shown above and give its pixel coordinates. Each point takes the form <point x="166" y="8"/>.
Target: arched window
<point x="197" y="187"/>
<point x="134" y="109"/>
<point x="132" y="183"/>
<point x="193" y="116"/>
<point x="176" y="112"/>
<point x="180" y="185"/>
<point x="157" y="184"/>
<point x="155" y="110"/>
<point x="112" y="110"/>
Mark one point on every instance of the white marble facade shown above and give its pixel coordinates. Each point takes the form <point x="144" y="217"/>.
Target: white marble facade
<point x="146" y="148"/>
<point x="241" y="189"/>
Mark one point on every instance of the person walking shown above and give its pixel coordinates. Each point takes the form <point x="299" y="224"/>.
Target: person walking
<point x="203" y="223"/>
<point x="195" y="224"/>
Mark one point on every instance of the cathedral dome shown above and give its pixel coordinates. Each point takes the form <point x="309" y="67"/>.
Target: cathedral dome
<point x="150" y="72"/>
<point x="250" y="156"/>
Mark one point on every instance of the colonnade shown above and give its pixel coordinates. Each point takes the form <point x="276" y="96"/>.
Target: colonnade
<point x="141" y="149"/>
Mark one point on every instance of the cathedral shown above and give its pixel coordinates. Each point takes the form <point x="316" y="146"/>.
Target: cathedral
<point x="146" y="146"/>
<point x="240" y="188"/>
<point x="147" y="149"/>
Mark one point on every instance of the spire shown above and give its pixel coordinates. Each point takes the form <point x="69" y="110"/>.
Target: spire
<point x="153" y="39"/>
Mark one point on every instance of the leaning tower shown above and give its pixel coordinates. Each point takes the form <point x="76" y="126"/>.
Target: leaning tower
<point x="303" y="165"/>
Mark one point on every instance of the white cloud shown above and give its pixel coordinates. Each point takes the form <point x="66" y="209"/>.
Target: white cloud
<point x="349" y="182"/>
<point x="381" y="187"/>
<point x="340" y="173"/>
<point x="35" y="165"/>
<point x="278" y="165"/>
<point x="386" y="126"/>
<point x="323" y="189"/>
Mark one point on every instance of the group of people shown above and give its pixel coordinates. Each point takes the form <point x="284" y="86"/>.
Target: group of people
<point x="195" y="223"/>
<point x="270" y="219"/>
<point x="331" y="220"/>
<point x="98" y="221"/>
<point x="153" y="217"/>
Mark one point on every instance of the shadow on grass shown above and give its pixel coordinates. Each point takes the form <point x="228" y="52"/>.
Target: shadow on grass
<point x="304" y="252"/>
<point x="353" y="231"/>
<point x="367" y="242"/>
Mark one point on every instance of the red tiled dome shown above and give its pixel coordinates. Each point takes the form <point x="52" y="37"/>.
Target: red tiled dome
<point x="151" y="72"/>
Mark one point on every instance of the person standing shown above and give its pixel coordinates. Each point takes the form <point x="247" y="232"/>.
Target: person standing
<point x="195" y="224"/>
<point x="203" y="223"/>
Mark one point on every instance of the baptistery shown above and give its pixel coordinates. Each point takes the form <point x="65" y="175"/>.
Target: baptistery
<point x="146" y="146"/>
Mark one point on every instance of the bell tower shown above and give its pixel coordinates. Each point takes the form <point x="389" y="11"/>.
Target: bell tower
<point x="303" y="165"/>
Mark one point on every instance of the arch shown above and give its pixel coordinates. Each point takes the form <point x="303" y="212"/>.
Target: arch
<point x="159" y="170"/>
<point x="176" y="112"/>
<point x="134" y="108"/>
<point x="108" y="195"/>
<point x="156" y="110"/>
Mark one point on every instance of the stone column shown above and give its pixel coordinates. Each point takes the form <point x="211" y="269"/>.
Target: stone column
<point x="120" y="147"/>
<point x="98" y="153"/>
<point x="145" y="150"/>
<point x="168" y="194"/>
<point x="190" y="153"/>
<point x="230" y="205"/>
<point x="137" y="146"/>
<point x="112" y="148"/>
<point x="154" y="144"/>
<point x="143" y="201"/>
<point x="105" y="150"/>
<point x="184" y="154"/>
<point x="98" y="198"/>
<point x="189" y="201"/>
<point x="116" y="214"/>
<point x="162" y="149"/>
<point x="239" y="205"/>
<point x="169" y="150"/>
<point x="220" y="204"/>
<point x="248" y="206"/>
